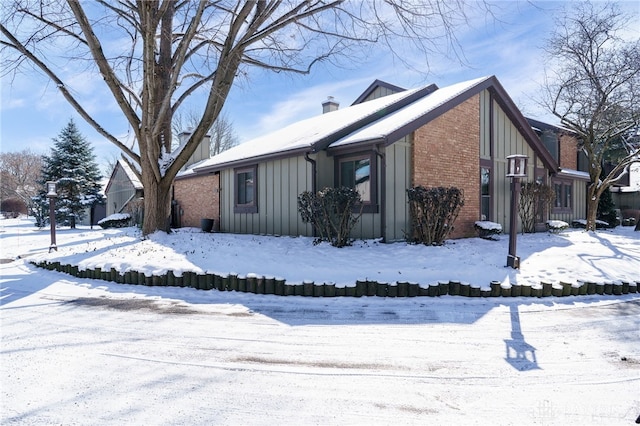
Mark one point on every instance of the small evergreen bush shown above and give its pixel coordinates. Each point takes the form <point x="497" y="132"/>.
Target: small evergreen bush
<point x="433" y="212"/>
<point x="331" y="213"/>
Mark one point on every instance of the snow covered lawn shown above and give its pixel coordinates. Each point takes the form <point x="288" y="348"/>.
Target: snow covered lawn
<point x="570" y="256"/>
<point x="80" y="351"/>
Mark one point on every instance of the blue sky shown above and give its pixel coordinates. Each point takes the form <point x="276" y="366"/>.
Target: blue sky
<point x="510" y="47"/>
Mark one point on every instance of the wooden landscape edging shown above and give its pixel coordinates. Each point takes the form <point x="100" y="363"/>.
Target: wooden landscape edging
<point x="278" y="286"/>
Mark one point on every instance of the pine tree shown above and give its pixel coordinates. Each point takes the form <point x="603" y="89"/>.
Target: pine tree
<point x="607" y="209"/>
<point x="73" y="167"/>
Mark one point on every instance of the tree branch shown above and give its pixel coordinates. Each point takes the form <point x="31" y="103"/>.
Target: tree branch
<point x="67" y="95"/>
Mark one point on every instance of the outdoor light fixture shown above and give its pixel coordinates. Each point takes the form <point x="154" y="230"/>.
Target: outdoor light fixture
<point x="52" y="194"/>
<point x="516" y="169"/>
<point x="51" y="189"/>
<point x="517" y="166"/>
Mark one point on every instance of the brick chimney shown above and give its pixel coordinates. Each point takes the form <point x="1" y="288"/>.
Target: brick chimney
<point x="330" y="105"/>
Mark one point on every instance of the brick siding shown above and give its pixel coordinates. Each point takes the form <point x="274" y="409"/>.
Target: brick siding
<point x="568" y="152"/>
<point x="199" y="198"/>
<point x="446" y="153"/>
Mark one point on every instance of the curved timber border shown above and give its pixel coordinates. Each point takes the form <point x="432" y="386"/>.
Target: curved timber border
<point x="278" y="286"/>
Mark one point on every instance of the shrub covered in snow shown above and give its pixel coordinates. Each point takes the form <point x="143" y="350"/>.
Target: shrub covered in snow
<point x="582" y="223"/>
<point x="487" y="229"/>
<point x="629" y="221"/>
<point x="117" y="220"/>
<point x="556" y="225"/>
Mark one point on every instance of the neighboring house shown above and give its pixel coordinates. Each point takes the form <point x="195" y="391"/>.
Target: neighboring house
<point x="627" y="198"/>
<point x="123" y="189"/>
<point x="571" y="180"/>
<point x="389" y="140"/>
<point x="626" y="192"/>
<point x="97" y="212"/>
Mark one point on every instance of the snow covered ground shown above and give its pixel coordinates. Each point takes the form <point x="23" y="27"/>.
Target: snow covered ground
<point x="80" y="351"/>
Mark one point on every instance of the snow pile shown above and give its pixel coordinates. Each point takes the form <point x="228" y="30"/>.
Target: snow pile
<point x="489" y="226"/>
<point x="115" y="217"/>
<point x="557" y="225"/>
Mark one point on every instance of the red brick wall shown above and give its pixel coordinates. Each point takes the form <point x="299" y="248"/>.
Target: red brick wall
<point x="568" y="152"/>
<point x="199" y="198"/>
<point x="446" y="153"/>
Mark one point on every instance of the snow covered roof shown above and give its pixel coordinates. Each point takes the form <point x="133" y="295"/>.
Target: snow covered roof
<point x="540" y="126"/>
<point x="574" y="174"/>
<point x="386" y="119"/>
<point x="130" y="174"/>
<point x="309" y="134"/>
<point x="386" y="126"/>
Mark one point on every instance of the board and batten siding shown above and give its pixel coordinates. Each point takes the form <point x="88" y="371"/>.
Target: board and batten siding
<point x="380" y="92"/>
<point x="485" y="125"/>
<point x="398" y="180"/>
<point x="579" y="201"/>
<point x="507" y="140"/>
<point x="368" y="226"/>
<point x="279" y="182"/>
<point x="120" y="191"/>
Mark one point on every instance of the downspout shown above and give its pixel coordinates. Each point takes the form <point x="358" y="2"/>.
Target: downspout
<point x="313" y="182"/>
<point x="313" y="171"/>
<point x="383" y="192"/>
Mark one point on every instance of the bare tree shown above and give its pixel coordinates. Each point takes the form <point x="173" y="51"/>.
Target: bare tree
<point x="19" y="175"/>
<point x="594" y="89"/>
<point x="110" y="161"/>
<point x="221" y="132"/>
<point x="154" y="55"/>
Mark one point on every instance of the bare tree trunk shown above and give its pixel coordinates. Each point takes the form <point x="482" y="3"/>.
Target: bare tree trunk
<point x="157" y="205"/>
<point x="593" y="197"/>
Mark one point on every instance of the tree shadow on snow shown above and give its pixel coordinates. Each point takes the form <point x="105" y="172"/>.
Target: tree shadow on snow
<point x="16" y="284"/>
<point x="628" y="253"/>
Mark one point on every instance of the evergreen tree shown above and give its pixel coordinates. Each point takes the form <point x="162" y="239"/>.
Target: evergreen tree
<point x="607" y="209"/>
<point x="73" y="167"/>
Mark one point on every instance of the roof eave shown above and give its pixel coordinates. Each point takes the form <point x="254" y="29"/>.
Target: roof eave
<point x="438" y="111"/>
<point x="251" y="160"/>
<point x="356" y="146"/>
<point x="324" y="143"/>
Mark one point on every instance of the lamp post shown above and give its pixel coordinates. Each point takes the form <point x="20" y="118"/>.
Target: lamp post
<point x="51" y="194"/>
<point x="516" y="169"/>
